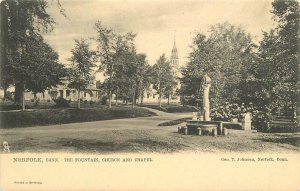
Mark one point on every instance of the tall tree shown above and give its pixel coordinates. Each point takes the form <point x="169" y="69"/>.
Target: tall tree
<point x="222" y="55"/>
<point x="276" y="71"/>
<point x="44" y="70"/>
<point x="20" y="20"/>
<point x="125" y="78"/>
<point x="144" y="76"/>
<point x="163" y="79"/>
<point x="111" y="45"/>
<point x="82" y="63"/>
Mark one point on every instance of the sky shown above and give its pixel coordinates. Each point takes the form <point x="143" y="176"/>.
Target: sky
<point x="156" y="22"/>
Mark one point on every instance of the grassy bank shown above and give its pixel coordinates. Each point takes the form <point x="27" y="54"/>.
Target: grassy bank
<point x="174" y="122"/>
<point x="68" y="115"/>
<point x="172" y="108"/>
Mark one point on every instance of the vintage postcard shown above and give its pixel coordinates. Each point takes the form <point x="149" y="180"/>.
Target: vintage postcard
<point x="149" y="95"/>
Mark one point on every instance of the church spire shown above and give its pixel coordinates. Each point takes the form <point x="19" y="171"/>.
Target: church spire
<point x="174" y="54"/>
<point x="174" y="58"/>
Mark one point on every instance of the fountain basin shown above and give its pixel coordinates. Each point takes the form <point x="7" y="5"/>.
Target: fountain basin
<point x="206" y="127"/>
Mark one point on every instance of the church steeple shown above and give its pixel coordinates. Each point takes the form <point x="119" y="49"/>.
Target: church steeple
<point x="174" y="59"/>
<point x="174" y="54"/>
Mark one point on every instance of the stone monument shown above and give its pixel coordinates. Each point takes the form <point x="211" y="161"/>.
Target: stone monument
<point x="206" y="83"/>
<point x="246" y="124"/>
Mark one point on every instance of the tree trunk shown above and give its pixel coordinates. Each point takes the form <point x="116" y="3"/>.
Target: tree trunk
<point x="142" y="99"/>
<point x="116" y="97"/>
<point x="133" y="97"/>
<point x="109" y="99"/>
<point x="18" y="93"/>
<point x="23" y="100"/>
<point x="142" y="96"/>
<point x="168" y="99"/>
<point x="35" y="101"/>
<point x="4" y="94"/>
<point x="159" y="99"/>
<point x="78" y="97"/>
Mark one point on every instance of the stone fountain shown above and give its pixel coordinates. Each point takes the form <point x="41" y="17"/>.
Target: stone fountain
<point x="202" y="125"/>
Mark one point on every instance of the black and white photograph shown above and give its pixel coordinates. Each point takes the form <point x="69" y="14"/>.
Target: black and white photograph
<point x="162" y="77"/>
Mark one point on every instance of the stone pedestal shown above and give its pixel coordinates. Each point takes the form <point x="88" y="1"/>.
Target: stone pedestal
<point x="246" y="124"/>
<point x="199" y="131"/>
<point x="206" y="114"/>
<point x="185" y="131"/>
<point x="224" y="131"/>
<point x="214" y="132"/>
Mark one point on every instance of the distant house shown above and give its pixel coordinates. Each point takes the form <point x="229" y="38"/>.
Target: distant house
<point x="90" y="94"/>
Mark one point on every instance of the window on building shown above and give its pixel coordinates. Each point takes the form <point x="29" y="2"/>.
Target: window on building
<point x="154" y="96"/>
<point x="148" y="96"/>
<point x="61" y="93"/>
<point x="68" y="93"/>
<point x="84" y="94"/>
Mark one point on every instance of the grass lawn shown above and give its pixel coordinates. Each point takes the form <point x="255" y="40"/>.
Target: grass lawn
<point x="67" y="115"/>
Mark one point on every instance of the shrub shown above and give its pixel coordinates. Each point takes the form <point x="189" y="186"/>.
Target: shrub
<point x="228" y="111"/>
<point x="104" y="100"/>
<point x="190" y="100"/>
<point x="261" y="121"/>
<point x="61" y="102"/>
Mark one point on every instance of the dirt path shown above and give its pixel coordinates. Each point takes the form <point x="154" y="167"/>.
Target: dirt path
<point x="137" y="135"/>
